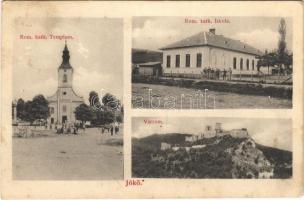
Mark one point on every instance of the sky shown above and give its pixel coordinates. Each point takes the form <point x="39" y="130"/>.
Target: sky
<point x="270" y="132"/>
<point x="96" y="55"/>
<point x="260" y="32"/>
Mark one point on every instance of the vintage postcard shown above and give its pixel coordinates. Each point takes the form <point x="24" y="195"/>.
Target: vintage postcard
<point x="151" y="99"/>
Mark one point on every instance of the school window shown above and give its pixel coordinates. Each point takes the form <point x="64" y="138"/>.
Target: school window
<point x="234" y="63"/>
<point x="241" y="64"/>
<point x="64" y="108"/>
<point x="168" y="61"/>
<point x="199" y="60"/>
<point x="177" y="61"/>
<point x="247" y="64"/>
<point x="252" y="64"/>
<point x="187" y="60"/>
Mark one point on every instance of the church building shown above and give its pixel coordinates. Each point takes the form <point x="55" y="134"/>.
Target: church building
<point x="63" y="103"/>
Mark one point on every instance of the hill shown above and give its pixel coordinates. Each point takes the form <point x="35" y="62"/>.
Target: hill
<point x="156" y="139"/>
<point x="281" y="159"/>
<point x="145" y="55"/>
<point x="221" y="157"/>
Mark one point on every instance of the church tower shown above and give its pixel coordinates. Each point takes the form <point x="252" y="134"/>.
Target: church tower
<point x="65" y="70"/>
<point x="64" y="102"/>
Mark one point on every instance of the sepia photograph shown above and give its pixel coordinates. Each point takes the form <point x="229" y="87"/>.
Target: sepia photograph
<point x="160" y="100"/>
<point x="206" y="147"/>
<point x="212" y="63"/>
<point x="67" y="114"/>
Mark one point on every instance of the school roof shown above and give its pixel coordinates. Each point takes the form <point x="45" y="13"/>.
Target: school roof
<point x="211" y="39"/>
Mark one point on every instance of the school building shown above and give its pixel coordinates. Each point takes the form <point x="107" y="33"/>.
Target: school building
<point x="208" y="50"/>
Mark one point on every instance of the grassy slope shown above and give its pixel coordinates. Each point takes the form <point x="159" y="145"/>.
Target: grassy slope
<point x="280" y="159"/>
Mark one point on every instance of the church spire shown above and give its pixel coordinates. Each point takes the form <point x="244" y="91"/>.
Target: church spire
<point x="65" y="54"/>
<point x="65" y="57"/>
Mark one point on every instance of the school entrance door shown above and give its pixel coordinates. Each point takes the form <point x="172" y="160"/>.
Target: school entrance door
<point x="64" y="119"/>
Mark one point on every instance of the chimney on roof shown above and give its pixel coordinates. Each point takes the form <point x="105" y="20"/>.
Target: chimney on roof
<point x="212" y="30"/>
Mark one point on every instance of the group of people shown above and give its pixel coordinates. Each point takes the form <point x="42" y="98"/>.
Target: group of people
<point x="67" y="128"/>
<point x="74" y="128"/>
<point x="215" y="73"/>
<point x="112" y="128"/>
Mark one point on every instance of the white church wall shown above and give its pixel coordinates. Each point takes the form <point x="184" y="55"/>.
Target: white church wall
<point x="69" y="76"/>
<point x="65" y="100"/>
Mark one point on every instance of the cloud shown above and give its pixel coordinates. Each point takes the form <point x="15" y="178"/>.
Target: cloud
<point x="86" y="80"/>
<point x="82" y="50"/>
<point x="153" y="34"/>
<point x="47" y="88"/>
<point x="156" y="32"/>
<point x="153" y="29"/>
<point x="262" y="38"/>
<point x="275" y="136"/>
<point x="36" y="62"/>
<point x="269" y="132"/>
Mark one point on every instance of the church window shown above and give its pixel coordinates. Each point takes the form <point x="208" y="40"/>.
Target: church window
<point x="65" y="79"/>
<point x="52" y="110"/>
<point x="64" y="108"/>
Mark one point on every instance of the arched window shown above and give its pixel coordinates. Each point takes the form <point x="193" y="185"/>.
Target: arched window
<point x="65" y="78"/>
<point x="52" y="110"/>
<point x="241" y="64"/>
<point x="64" y="108"/>
<point x="247" y="64"/>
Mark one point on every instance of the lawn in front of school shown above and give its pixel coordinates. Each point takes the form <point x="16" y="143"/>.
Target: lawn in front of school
<point x="142" y="93"/>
